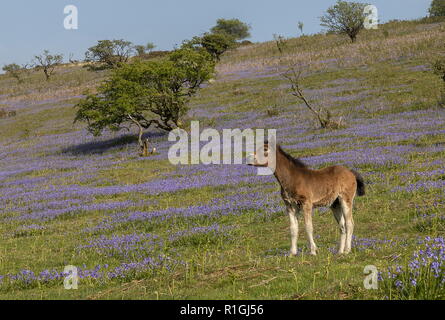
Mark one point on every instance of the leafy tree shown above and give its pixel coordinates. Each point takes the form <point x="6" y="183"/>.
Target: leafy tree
<point x="15" y="71"/>
<point x="150" y="46"/>
<point x="110" y="53"/>
<point x="141" y="50"/>
<point x="217" y="43"/>
<point x="345" y="18"/>
<point x="47" y="62"/>
<point x="147" y="93"/>
<point x="214" y="43"/>
<point x="437" y="8"/>
<point x="235" y="28"/>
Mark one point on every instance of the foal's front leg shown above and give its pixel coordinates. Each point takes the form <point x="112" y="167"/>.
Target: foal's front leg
<point x="293" y="229"/>
<point x="307" y="209"/>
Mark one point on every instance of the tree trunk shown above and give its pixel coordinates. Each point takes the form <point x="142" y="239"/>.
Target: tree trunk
<point x="46" y="74"/>
<point x="144" y="152"/>
<point x="143" y="145"/>
<point x="141" y="132"/>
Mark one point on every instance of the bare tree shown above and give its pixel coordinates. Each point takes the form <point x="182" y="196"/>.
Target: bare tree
<point x="293" y="75"/>
<point x="301" y="26"/>
<point x="72" y="60"/>
<point x="47" y="62"/>
<point x="324" y="117"/>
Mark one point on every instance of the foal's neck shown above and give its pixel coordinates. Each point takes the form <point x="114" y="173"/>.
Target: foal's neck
<point x="286" y="168"/>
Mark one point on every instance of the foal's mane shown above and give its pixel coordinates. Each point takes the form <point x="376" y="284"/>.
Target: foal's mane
<point x="297" y="162"/>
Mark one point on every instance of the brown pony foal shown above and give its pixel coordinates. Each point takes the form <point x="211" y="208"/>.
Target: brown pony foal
<point x="303" y="189"/>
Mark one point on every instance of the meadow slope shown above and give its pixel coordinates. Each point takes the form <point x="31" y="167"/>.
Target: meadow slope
<point x="141" y="228"/>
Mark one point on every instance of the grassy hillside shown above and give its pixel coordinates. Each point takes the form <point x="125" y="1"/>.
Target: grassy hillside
<point x="142" y="228"/>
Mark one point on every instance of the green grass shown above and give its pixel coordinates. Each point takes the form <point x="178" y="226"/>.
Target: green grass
<point x="249" y="262"/>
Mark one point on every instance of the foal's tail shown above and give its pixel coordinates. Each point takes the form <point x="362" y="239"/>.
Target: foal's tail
<point x="360" y="183"/>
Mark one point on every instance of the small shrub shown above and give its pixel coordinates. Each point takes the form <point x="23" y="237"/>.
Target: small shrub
<point x="7" y="114"/>
<point x="245" y="43"/>
<point x="272" y="111"/>
<point x="239" y="92"/>
<point x="16" y="71"/>
<point x="439" y="69"/>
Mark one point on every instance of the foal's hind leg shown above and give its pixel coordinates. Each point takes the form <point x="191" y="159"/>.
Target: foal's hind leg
<point x="307" y="210"/>
<point x="346" y="205"/>
<point x="338" y="215"/>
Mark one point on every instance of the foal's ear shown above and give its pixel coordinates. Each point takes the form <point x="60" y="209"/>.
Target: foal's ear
<point x="270" y="145"/>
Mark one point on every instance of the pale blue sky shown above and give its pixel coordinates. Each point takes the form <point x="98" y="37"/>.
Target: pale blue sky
<point x="27" y="27"/>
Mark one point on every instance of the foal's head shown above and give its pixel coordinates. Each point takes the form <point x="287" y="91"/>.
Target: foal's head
<point x="264" y="156"/>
